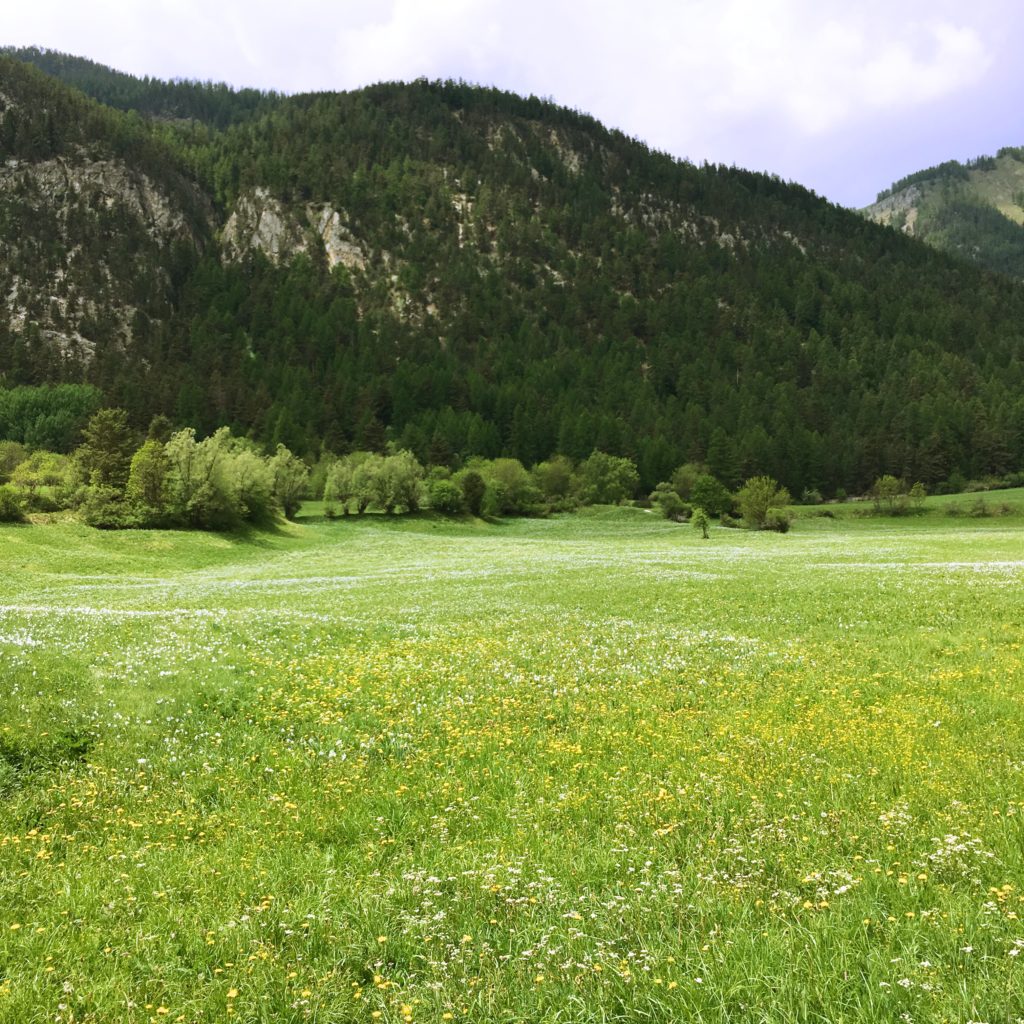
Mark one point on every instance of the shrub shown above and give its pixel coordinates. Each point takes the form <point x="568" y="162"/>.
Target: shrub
<point x="473" y="490"/>
<point x="603" y="479"/>
<point x="12" y="508"/>
<point x="758" y="496"/>
<point x="777" y="519"/>
<point x="445" y="496"/>
<point x="711" y="495"/>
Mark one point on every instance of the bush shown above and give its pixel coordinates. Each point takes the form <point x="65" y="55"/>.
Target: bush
<point x="728" y="521"/>
<point x="12" y="508"/>
<point x="445" y="496"/>
<point x="759" y="496"/>
<point x="710" y="494"/>
<point x="777" y="519"/>
<point x="105" y="508"/>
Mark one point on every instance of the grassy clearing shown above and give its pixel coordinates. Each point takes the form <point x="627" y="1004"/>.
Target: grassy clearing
<point x="587" y="769"/>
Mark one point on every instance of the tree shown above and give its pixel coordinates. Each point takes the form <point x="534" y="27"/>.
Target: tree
<point x="402" y="477"/>
<point x="147" y="479"/>
<point x="554" y="477"/>
<point x="603" y="479"/>
<point x="445" y="495"/>
<point x="291" y="478"/>
<point x="710" y="494"/>
<point x="105" y="454"/>
<point x="668" y="503"/>
<point x="886" y="493"/>
<point x="700" y="520"/>
<point x="758" y="496"/>
<point x="473" y="487"/>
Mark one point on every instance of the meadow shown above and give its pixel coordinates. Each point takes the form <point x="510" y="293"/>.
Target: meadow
<point x="586" y="768"/>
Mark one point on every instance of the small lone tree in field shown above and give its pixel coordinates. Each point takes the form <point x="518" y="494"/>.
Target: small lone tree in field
<point x="701" y="520"/>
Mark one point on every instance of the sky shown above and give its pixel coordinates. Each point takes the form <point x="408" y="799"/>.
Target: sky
<point x="843" y="97"/>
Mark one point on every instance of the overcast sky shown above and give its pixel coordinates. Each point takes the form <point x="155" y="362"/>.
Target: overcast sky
<point x="841" y="96"/>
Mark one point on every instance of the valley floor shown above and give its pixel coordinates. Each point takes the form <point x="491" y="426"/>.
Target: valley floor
<point x="589" y="768"/>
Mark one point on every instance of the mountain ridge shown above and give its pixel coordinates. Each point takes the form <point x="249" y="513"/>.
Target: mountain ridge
<point x="974" y="210"/>
<point x="463" y="271"/>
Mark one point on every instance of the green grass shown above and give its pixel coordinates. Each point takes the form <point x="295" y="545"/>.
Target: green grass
<point x="579" y="769"/>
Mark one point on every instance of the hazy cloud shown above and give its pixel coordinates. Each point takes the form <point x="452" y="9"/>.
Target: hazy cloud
<point x="765" y="83"/>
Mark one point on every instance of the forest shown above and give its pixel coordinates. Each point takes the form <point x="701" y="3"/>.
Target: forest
<point x="528" y="284"/>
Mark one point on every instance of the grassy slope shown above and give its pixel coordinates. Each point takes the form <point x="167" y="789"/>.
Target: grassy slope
<point x="583" y="769"/>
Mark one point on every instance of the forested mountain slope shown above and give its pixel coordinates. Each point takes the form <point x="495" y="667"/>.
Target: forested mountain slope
<point x="973" y="210"/>
<point x="464" y="271"/>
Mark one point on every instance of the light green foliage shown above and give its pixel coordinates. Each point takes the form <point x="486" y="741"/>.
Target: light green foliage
<point x="445" y="495"/>
<point x="254" y="482"/>
<point x="509" y="487"/>
<point x="603" y="479"/>
<point x="546" y="770"/>
<point x="668" y="502"/>
<point x="367" y="480"/>
<point x="757" y="497"/>
<point x="291" y="479"/>
<point x="147" y="478"/>
<point x="404" y="477"/>
<point x="46" y="480"/>
<point x="199" y="487"/>
<point x="686" y="476"/>
<point x="700" y="521"/>
<point x="887" y="492"/>
<point x="12" y="505"/>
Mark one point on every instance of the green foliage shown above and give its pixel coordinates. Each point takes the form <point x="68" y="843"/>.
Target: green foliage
<point x="12" y="453"/>
<point x="710" y="494"/>
<point x="554" y="478"/>
<point x="700" y="520"/>
<point x="822" y="351"/>
<point x="777" y="519"/>
<point x="668" y="502"/>
<point x="147" y="478"/>
<point x="603" y="479"/>
<point x="105" y="454"/>
<point x="760" y="502"/>
<point x="47" y="480"/>
<point x="50" y="416"/>
<point x="686" y="476"/>
<point x="474" y="488"/>
<point x="509" y="488"/>
<point x="12" y="506"/>
<point x="446" y="496"/>
<point x="290" y="480"/>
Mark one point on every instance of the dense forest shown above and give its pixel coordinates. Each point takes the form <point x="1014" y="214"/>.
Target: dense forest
<point x="507" y="279"/>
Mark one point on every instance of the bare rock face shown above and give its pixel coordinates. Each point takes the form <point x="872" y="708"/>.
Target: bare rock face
<point x="87" y="282"/>
<point x="260" y="222"/>
<point x="340" y="245"/>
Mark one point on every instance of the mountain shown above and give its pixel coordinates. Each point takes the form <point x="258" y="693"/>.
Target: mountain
<point x="464" y="271"/>
<point x="974" y="210"/>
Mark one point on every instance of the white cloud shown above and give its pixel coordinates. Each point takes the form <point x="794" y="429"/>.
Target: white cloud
<point x="743" y="80"/>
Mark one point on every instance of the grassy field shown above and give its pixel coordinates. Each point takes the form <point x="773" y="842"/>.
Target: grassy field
<point x="579" y="769"/>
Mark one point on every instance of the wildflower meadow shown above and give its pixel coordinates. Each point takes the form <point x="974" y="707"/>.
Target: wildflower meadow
<point x="586" y="768"/>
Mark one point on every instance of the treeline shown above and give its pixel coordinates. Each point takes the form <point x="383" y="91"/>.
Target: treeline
<point x="212" y="103"/>
<point x="171" y="479"/>
<point x="947" y="171"/>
